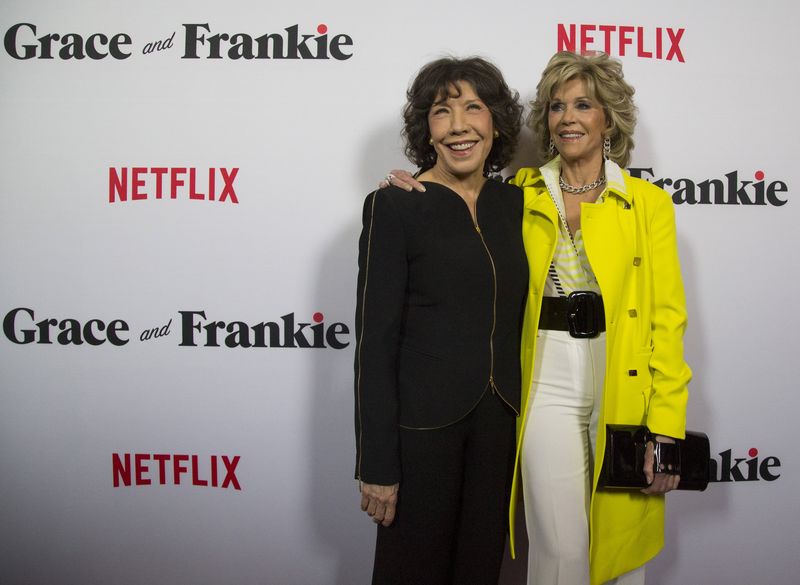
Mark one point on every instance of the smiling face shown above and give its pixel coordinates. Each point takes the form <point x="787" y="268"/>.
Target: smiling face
<point x="577" y="123"/>
<point x="461" y="129"/>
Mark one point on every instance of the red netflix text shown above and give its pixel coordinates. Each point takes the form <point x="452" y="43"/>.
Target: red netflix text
<point x="164" y="468"/>
<point x="622" y="40"/>
<point x="141" y="183"/>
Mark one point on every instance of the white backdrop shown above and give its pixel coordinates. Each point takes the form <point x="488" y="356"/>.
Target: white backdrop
<point x="310" y="138"/>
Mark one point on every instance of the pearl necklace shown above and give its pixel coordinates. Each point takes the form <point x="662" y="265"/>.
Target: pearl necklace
<point x="578" y="190"/>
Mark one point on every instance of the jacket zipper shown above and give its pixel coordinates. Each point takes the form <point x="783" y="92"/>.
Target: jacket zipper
<point x="491" y="384"/>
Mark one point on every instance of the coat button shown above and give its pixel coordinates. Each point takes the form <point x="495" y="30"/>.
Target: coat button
<point x="637" y="260"/>
<point x="632" y="312"/>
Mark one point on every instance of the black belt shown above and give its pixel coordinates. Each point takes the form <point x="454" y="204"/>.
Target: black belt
<point x="581" y="313"/>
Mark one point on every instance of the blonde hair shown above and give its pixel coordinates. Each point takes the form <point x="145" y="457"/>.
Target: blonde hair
<point x="604" y="82"/>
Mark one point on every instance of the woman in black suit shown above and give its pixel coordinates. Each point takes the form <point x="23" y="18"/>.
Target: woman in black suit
<point x="441" y="288"/>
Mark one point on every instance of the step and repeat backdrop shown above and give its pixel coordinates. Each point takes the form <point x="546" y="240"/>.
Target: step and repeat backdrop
<point x="180" y="195"/>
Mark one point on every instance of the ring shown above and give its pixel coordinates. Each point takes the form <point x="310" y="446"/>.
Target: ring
<point x="389" y="178"/>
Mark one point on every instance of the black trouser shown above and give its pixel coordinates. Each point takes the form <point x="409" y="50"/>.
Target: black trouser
<point x="451" y="521"/>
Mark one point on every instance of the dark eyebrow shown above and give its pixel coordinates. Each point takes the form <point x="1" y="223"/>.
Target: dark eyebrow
<point x="468" y="102"/>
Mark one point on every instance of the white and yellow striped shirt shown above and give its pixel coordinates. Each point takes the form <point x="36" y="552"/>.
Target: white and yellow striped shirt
<point x="570" y="270"/>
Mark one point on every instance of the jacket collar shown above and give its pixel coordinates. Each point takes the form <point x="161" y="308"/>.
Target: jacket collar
<point x="615" y="178"/>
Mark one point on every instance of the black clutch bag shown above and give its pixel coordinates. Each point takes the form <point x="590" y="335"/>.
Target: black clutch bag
<point x="623" y="462"/>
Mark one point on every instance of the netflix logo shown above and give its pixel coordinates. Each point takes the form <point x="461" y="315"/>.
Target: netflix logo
<point x="143" y="183"/>
<point x="645" y="42"/>
<point x="140" y="469"/>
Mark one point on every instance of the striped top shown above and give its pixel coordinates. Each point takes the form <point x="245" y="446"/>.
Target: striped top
<point x="570" y="270"/>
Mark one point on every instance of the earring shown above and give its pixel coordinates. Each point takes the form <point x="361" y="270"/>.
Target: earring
<point x="551" y="149"/>
<point x="606" y="147"/>
<point x="496" y="134"/>
<point x="430" y="141"/>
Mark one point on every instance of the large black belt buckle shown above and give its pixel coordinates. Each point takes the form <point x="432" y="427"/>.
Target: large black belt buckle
<point x="584" y="308"/>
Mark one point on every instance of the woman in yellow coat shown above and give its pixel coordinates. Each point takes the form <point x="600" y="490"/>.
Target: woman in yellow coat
<point x="594" y="232"/>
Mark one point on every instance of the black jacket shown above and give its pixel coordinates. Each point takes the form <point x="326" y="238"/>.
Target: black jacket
<point x="438" y="315"/>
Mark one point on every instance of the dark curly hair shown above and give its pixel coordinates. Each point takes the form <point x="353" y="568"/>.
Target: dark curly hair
<point x="441" y="77"/>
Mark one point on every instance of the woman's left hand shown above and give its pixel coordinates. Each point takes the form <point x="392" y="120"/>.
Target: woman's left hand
<point x="660" y="483"/>
<point x="379" y="502"/>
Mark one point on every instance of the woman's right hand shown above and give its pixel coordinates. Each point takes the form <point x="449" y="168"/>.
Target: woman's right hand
<point x="658" y="483"/>
<point x="379" y="502"/>
<point x="402" y="179"/>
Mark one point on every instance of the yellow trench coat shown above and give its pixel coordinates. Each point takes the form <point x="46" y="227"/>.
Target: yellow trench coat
<point x="631" y="244"/>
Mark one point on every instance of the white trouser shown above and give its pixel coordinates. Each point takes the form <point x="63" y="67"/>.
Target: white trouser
<point x="557" y="455"/>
